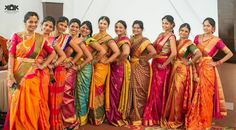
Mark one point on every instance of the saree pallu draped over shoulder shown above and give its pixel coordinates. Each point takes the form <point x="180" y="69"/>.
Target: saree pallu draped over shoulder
<point x="57" y="86"/>
<point x="208" y="99"/>
<point x="29" y="108"/>
<point x="141" y="74"/>
<point x="119" y="87"/>
<point x="99" y="90"/>
<point x="159" y="85"/>
<point x="84" y="79"/>
<point x="180" y="88"/>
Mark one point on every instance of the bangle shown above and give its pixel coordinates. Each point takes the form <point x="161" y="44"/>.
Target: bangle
<point x="55" y="64"/>
<point x="71" y="63"/>
<point x="10" y="76"/>
<point x="219" y="62"/>
<point x="189" y="62"/>
<point x="79" y="67"/>
<point x="43" y="66"/>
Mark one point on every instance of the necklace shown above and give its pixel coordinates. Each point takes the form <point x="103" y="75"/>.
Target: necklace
<point x="24" y="43"/>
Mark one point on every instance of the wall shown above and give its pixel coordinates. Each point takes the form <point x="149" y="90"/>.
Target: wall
<point x="227" y="73"/>
<point x="192" y="12"/>
<point x="13" y="21"/>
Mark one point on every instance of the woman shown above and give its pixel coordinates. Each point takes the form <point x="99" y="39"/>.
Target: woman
<point x="3" y="53"/>
<point x="69" y="111"/>
<point x="141" y="51"/>
<point x="99" y="85"/>
<point x="85" y="69"/>
<point x="181" y="81"/>
<point x="57" y="87"/>
<point x="120" y="77"/>
<point x="209" y="89"/>
<point x="165" y="46"/>
<point x="26" y="77"/>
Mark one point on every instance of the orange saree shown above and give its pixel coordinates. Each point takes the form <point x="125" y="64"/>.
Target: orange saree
<point x="28" y="108"/>
<point x="208" y="99"/>
<point x="180" y="87"/>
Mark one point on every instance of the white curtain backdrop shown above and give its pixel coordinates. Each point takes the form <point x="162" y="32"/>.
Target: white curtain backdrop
<point x="149" y="11"/>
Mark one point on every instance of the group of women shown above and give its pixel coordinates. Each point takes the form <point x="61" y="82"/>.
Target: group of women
<point x="60" y="81"/>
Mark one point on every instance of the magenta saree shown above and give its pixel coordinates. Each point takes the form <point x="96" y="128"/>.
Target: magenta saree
<point x="159" y="87"/>
<point x="119" y="81"/>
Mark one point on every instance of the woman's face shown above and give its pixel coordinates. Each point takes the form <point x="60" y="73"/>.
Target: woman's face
<point x="166" y="25"/>
<point x="62" y="26"/>
<point x="84" y="30"/>
<point x="32" y="23"/>
<point x="207" y="27"/>
<point x="74" y="28"/>
<point x="103" y="25"/>
<point x="184" y="33"/>
<point x="137" y="30"/>
<point x="120" y="29"/>
<point x="47" y="27"/>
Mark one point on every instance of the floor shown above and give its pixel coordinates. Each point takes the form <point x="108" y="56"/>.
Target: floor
<point x="110" y="127"/>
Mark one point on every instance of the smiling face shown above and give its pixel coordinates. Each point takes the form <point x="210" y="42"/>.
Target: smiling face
<point x="137" y="30"/>
<point x="184" y="33"/>
<point x="74" y="28"/>
<point x="47" y="27"/>
<point x="62" y="26"/>
<point x="31" y="23"/>
<point x="166" y="25"/>
<point x="103" y="25"/>
<point x="208" y="28"/>
<point x="120" y="29"/>
<point x="84" y="30"/>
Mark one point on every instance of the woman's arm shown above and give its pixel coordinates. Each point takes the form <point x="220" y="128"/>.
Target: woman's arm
<point x="77" y="49"/>
<point x="115" y="50"/>
<point x="48" y="60"/>
<point x="125" y="52"/>
<point x="87" y="53"/>
<point x="11" y="78"/>
<point x="228" y="55"/>
<point x="98" y="48"/>
<point x="173" y="51"/>
<point x="61" y="54"/>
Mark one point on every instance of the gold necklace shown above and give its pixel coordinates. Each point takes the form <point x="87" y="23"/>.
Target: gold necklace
<point x="24" y="43"/>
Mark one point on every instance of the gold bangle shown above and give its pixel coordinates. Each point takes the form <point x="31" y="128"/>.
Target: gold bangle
<point x="79" y="67"/>
<point x="10" y="76"/>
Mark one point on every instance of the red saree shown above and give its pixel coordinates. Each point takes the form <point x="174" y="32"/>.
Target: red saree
<point x="57" y="88"/>
<point x="159" y="86"/>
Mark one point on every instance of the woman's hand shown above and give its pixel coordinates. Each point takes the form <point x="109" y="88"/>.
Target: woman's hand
<point x="161" y="66"/>
<point x="213" y="64"/>
<point x="41" y="66"/>
<point x="195" y="77"/>
<point x="11" y="80"/>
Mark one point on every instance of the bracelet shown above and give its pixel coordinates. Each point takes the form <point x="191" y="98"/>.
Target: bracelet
<point x="10" y="76"/>
<point x="43" y="66"/>
<point x="219" y="62"/>
<point x="71" y="63"/>
<point x="79" y="67"/>
<point x="55" y="64"/>
<point x="189" y="62"/>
